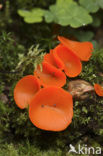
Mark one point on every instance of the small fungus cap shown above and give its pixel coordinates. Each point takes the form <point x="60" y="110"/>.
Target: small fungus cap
<point x="49" y="58"/>
<point x="25" y="89"/>
<point x="98" y="89"/>
<point x="51" y="109"/>
<point x="82" y="49"/>
<point x="72" y="64"/>
<point x="53" y="60"/>
<point x="50" y="75"/>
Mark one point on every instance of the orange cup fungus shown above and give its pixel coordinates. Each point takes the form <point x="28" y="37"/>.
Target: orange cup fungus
<point x="50" y="75"/>
<point x="98" y="89"/>
<point x="72" y="64"/>
<point x="51" y="109"/>
<point x="82" y="49"/>
<point x="25" y="90"/>
<point x="49" y="58"/>
<point x="55" y="61"/>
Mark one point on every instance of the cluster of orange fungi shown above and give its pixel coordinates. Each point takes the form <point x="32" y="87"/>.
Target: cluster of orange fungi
<point x="50" y="106"/>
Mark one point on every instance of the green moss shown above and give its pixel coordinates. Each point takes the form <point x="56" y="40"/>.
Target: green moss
<point x="27" y="149"/>
<point x="93" y="68"/>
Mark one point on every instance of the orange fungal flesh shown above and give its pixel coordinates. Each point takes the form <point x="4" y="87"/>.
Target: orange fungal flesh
<point x="72" y="63"/>
<point x="53" y="61"/>
<point x="59" y="62"/>
<point x="50" y="75"/>
<point x="49" y="58"/>
<point x="98" y="89"/>
<point x="51" y="109"/>
<point x="25" y="90"/>
<point x="82" y="49"/>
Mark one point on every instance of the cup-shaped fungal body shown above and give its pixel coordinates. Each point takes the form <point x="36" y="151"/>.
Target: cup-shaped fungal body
<point x="98" y="89"/>
<point x="50" y="75"/>
<point x="72" y="64"/>
<point x="56" y="62"/>
<point x="51" y="109"/>
<point x="82" y="49"/>
<point x="25" y="89"/>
